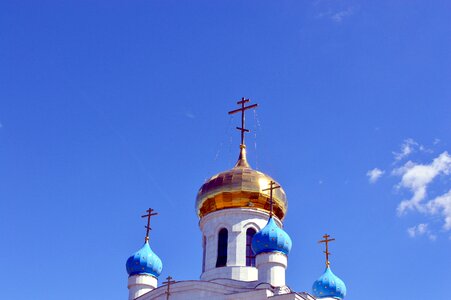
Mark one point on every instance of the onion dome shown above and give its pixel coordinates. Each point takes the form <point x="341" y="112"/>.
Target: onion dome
<point x="329" y="285"/>
<point x="144" y="261"/>
<point x="271" y="238"/>
<point x="240" y="186"/>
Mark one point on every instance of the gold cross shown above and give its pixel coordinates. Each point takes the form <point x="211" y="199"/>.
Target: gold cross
<point x="242" y="110"/>
<point x="150" y="212"/>
<point x="168" y="288"/>
<point x="326" y="241"/>
<point x="271" y="188"/>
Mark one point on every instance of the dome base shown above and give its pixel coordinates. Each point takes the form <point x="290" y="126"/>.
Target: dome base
<point x="271" y="268"/>
<point x="141" y="284"/>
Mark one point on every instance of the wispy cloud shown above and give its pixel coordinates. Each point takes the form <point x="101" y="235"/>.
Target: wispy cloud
<point x="340" y="15"/>
<point x="374" y="174"/>
<point x="335" y="14"/>
<point x="416" y="178"/>
<point x="421" y="230"/>
<point x="442" y="205"/>
<point x="189" y="115"/>
<point x="408" y="147"/>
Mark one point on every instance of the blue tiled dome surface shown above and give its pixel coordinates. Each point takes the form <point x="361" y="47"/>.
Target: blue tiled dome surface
<point x="329" y="285"/>
<point x="144" y="261"/>
<point x="271" y="239"/>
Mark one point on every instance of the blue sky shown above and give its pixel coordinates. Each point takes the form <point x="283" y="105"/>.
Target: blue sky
<point x="109" y="107"/>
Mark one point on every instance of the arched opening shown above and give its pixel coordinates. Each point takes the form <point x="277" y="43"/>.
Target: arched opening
<point x="222" y="248"/>
<point x="250" y="255"/>
<point x="204" y="250"/>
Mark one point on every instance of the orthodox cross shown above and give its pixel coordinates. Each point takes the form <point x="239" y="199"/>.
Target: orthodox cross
<point x="326" y="241"/>
<point x="150" y="212"/>
<point x="242" y="110"/>
<point x="168" y="288"/>
<point x="272" y="187"/>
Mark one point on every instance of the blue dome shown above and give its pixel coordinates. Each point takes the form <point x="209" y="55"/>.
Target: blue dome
<point x="144" y="261"/>
<point x="271" y="239"/>
<point x="329" y="285"/>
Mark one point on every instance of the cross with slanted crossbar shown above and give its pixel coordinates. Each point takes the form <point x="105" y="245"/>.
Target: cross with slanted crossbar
<point x="272" y="187"/>
<point x="150" y="212"/>
<point x="242" y="110"/>
<point x="326" y="241"/>
<point x="168" y="288"/>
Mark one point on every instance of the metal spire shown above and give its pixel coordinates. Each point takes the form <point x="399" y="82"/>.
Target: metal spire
<point x="327" y="241"/>
<point x="168" y="287"/>
<point x="242" y="110"/>
<point x="150" y="213"/>
<point x="272" y="186"/>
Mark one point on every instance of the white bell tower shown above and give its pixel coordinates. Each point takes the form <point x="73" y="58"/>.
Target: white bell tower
<point x="233" y="206"/>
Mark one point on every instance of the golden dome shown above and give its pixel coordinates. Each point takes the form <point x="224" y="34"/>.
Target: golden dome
<point x="240" y="187"/>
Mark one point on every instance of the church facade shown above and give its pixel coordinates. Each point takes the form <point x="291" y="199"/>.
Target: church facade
<point x="245" y="248"/>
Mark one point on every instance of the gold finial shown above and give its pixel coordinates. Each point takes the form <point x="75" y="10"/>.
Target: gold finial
<point x="150" y="212"/>
<point x="272" y="187"/>
<point x="326" y="241"/>
<point x="242" y="159"/>
<point x="168" y="288"/>
<point x="242" y="110"/>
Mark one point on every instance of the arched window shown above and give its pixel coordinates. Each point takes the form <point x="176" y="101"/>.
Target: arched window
<point x="222" y="248"/>
<point x="250" y="255"/>
<point x="204" y="246"/>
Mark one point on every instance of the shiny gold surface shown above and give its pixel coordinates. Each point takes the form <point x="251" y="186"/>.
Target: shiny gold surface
<point x="239" y="187"/>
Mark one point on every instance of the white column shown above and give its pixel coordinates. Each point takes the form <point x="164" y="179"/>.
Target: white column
<point x="140" y="284"/>
<point x="271" y="268"/>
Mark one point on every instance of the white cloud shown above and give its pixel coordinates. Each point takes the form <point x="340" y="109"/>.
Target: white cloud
<point x="442" y="204"/>
<point x="340" y="15"/>
<point x="417" y="177"/>
<point x="336" y="14"/>
<point x="374" y="174"/>
<point x="420" y="230"/>
<point x="407" y="148"/>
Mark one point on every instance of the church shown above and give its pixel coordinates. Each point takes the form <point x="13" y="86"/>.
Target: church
<point x="245" y="247"/>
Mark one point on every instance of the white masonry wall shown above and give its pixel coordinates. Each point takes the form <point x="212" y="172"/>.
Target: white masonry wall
<point x="204" y="290"/>
<point x="140" y="284"/>
<point x="271" y="268"/>
<point x="236" y="221"/>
